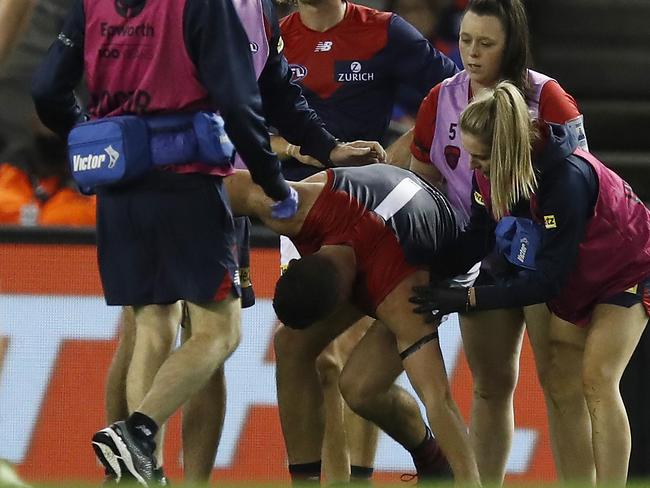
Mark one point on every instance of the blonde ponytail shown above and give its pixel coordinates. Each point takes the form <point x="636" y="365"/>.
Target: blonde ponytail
<point x="499" y="118"/>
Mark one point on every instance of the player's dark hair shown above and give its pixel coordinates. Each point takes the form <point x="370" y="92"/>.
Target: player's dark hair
<point x="308" y="291"/>
<point x="516" y="56"/>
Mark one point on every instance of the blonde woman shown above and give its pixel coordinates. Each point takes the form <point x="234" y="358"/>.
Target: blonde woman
<point x="584" y="211"/>
<point x="494" y="46"/>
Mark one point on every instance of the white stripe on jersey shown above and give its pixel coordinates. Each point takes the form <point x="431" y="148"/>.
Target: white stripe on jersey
<point x="397" y="198"/>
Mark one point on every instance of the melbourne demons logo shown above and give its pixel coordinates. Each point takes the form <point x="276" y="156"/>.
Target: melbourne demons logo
<point x="452" y="155"/>
<point x="298" y="72"/>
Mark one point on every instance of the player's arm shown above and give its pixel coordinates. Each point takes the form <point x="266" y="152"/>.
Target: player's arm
<point x="248" y="198"/>
<point x="399" y="152"/>
<point x="426" y="171"/>
<point x="417" y="64"/>
<point x="218" y="45"/>
<point x="420" y="148"/>
<point x="557" y="106"/>
<point x="60" y="71"/>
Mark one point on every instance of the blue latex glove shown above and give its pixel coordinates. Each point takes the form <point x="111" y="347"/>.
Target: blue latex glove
<point x="287" y="208"/>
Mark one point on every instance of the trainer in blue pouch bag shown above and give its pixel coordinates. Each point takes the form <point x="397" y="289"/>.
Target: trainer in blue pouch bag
<point x="518" y="240"/>
<point x="105" y="151"/>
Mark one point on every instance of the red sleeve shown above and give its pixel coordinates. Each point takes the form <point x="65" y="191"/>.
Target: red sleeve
<point x="425" y="126"/>
<point x="556" y="105"/>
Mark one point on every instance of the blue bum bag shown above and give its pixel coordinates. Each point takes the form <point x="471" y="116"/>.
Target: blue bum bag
<point x="118" y="149"/>
<point x="518" y="239"/>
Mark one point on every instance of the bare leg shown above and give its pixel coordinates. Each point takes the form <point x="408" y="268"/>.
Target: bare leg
<point x="116" y="405"/>
<point x="363" y="438"/>
<point x="559" y="348"/>
<point x="367" y="384"/>
<point x="156" y="328"/>
<point x="426" y="372"/>
<point x="149" y="336"/>
<point x="362" y="435"/>
<point x="612" y="337"/>
<point x="349" y="439"/>
<point x="335" y="449"/>
<point x="215" y="335"/>
<point x="492" y="342"/>
<point x="300" y="398"/>
<point x="203" y="417"/>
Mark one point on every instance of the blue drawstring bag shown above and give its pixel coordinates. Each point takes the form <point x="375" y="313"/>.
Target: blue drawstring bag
<point x="518" y="239"/>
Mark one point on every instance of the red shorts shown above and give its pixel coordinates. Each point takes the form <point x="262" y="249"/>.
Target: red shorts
<point x="336" y="218"/>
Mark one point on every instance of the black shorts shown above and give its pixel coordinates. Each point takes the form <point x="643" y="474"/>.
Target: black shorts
<point x="639" y="293"/>
<point x="165" y="238"/>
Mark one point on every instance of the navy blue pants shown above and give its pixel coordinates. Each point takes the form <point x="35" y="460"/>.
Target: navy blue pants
<point x="164" y="238"/>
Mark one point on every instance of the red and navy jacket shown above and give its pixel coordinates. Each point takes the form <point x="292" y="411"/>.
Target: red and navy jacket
<point x="595" y="241"/>
<point x="351" y="73"/>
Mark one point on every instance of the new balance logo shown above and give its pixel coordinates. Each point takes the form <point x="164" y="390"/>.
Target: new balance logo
<point x="323" y="46"/>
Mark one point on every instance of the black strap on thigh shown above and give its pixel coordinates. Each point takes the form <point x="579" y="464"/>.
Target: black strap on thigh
<point x="416" y="346"/>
